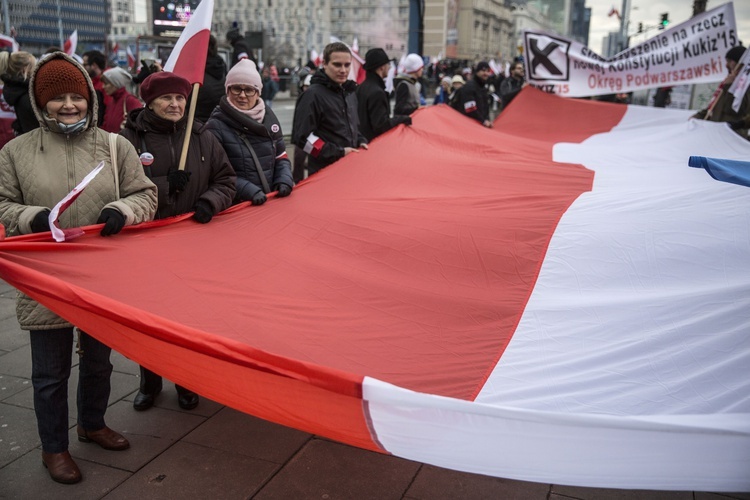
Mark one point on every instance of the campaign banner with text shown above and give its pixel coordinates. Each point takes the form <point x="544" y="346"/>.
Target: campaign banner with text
<point x="690" y="52"/>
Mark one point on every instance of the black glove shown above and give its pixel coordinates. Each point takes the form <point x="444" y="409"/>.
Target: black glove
<point x="143" y="73"/>
<point x="407" y="120"/>
<point x="736" y="125"/>
<point x="40" y="224"/>
<point x="283" y="190"/>
<point x="203" y="212"/>
<point x="259" y="198"/>
<point x="113" y="221"/>
<point x="178" y="179"/>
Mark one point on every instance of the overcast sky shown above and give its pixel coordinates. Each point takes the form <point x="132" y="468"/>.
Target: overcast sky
<point x="649" y="13"/>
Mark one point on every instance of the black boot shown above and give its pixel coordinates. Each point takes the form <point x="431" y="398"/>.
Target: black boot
<point x="186" y="399"/>
<point x="150" y="387"/>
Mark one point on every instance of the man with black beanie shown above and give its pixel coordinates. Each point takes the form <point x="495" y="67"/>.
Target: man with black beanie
<point x="374" y="107"/>
<point x="474" y="100"/>
<point x="720" y="108"/>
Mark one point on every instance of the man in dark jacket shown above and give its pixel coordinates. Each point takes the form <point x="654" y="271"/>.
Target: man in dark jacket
<point x="374" y="107"/>
<point x="512" y="85"/>
<point x="212" y="89"/>
<point x="474" y="100"/>
<point x="326" y="125"/>
<point x="239" y="46"/>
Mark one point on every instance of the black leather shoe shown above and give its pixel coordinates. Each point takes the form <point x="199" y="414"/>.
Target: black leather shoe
<point x="144" y="401"/>
<point x="187" y="400"/>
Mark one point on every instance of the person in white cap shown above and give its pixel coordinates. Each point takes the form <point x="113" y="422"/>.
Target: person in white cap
<point x="408" y="86"/>
<point x="115" y="81"/>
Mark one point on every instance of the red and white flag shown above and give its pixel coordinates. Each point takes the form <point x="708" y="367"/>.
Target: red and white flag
<point x="71" y="44"/>
<point x="315" y="58"/>
<point x="188" y="58"/>
<point x="63" y="234"/>
<point x="131" y="57"/>
<point x="584" y="292"/>
<point x="8" y="42"/>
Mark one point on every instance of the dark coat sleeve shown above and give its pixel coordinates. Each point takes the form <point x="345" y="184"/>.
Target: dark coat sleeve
<point x="25" y="114"/>
<point x="221" y="189"/>
<point x="306" y="121"/>
<point x="283" y="167"/>
<point x="507" y="91"/>
<point x="469" y="99"/>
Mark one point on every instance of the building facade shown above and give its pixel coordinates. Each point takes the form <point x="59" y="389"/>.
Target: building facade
<point x="37" y="25"/>
<point x="468" y="29"/>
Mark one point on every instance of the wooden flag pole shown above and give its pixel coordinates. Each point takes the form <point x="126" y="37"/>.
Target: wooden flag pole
<point x="189" y="126"/>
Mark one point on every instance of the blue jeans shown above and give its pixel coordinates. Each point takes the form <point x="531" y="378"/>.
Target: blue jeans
<point x="50" y="370"/>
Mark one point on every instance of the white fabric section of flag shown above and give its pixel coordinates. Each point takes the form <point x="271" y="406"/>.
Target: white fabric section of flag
<point x="676" y="56"/>
<point x="470" y="106"/>
<point x="741" y="82"/>
<point x="200" y="20"/>
<point x="62" y="234"/>
<point x="629" y="365"/>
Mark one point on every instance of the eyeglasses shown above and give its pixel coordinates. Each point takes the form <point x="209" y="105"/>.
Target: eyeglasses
<point x="248" y="91"/>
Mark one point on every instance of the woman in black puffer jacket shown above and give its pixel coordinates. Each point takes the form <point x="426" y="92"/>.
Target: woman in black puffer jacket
<point x="251" y="136"/>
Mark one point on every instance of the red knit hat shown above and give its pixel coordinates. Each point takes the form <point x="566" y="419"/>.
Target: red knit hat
<point x="56" y="77"/>
<point x="162" y="83"/>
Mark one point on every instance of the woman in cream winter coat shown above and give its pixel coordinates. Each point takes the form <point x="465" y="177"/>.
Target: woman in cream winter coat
<point x="37" y="170"/>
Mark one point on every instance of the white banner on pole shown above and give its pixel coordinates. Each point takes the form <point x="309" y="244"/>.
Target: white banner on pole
<point x="690" y="52"/>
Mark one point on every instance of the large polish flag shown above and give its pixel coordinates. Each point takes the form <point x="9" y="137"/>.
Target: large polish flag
<point x="558" y="299"/>
<point x="188" y="58"/>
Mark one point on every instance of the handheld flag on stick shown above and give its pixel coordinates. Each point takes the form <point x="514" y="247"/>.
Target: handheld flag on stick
<point x="188" y="60"/>
<point x="71" y="43"/>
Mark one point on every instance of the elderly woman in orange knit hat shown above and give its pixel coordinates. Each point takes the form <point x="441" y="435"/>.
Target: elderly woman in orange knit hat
<point x="37" y="169"/>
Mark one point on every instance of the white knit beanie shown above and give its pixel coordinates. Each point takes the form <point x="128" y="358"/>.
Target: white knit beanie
<point x="117" y="77"/>
<point x="413" y="63"/>
<point x="244" y="73"/>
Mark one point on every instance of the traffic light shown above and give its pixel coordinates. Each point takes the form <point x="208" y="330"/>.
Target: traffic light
<point x="664" y="21"/>
<point x="640" y="27"/>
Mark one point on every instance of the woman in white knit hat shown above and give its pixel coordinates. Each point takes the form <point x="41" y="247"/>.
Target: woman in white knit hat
<point x="115" y="82"/>
<point x="251" y="136"/>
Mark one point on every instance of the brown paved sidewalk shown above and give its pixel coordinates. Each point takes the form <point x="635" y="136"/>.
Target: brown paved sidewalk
<point x="218" y="453"/>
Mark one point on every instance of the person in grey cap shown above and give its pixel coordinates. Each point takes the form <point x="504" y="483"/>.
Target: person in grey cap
<point x="374" y="108"/>
<point x="115" y="81"/>
<point x="473" y="99"/>
<point x="720" y="108"/>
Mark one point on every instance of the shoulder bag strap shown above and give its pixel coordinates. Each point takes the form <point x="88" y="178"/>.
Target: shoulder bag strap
<point x="263" y="180"/>
<point x="113" y="159"/>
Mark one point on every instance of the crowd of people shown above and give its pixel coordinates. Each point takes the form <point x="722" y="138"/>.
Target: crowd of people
<point x="70" y="115"/>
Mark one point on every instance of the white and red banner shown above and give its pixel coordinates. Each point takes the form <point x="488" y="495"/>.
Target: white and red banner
<point x="691" y="52"/>
<point x="188" y="58"/>
<point x="741" y="82"/>
<point x="565" y="303"/>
